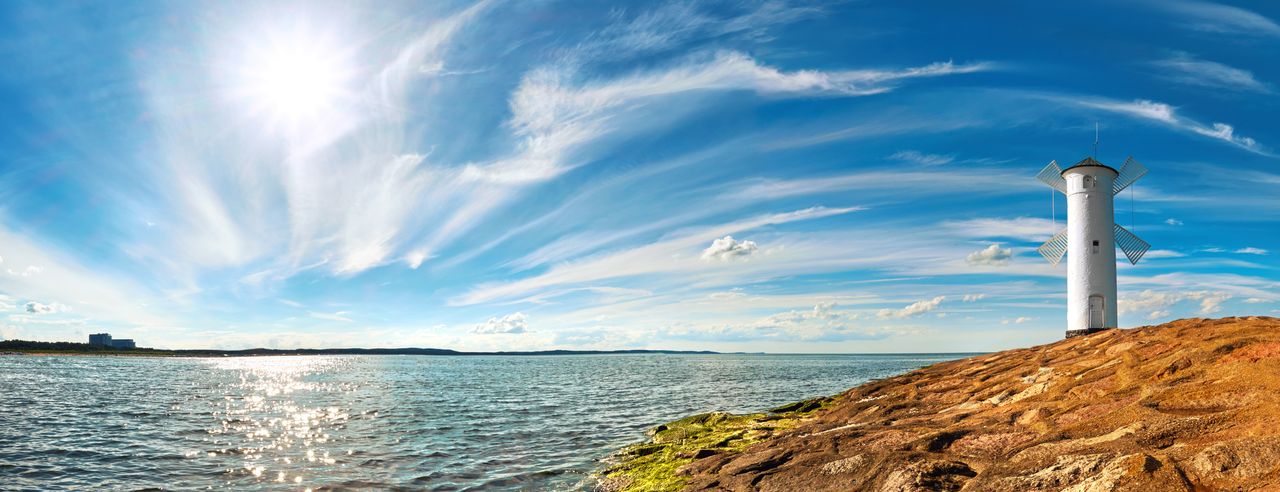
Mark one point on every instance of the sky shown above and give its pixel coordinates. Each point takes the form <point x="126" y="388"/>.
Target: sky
<point x="520" y="175"/>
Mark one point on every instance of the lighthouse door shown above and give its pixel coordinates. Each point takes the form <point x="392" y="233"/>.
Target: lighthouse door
<point x="1097" y="312"/>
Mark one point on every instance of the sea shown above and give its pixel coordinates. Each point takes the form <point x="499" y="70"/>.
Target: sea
<point x="379" y="422"/>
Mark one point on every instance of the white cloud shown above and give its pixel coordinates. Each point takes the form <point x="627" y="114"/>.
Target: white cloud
<point x="1185" y="69"/>
<point x="29" y="271"/>
<point x="1016" y="321"/>
<point x="1223" y="131"/>
<point x="1257" y="300"/>
<point x="821" y="311"/>
<point x="922" y="158"/>
<point x="1212" y="303"/>
<point x="1173" y="222"/>
<point x="1150" y="300"/>
<point x="511" y="323"/>
<point x="1166" y="114"/>
<point x="973" y="297"/>
<point x="915" y="308"/>
<point x="1141" y="108"/>
<point x="338" y="316"/>
<point x="34" y="307"/>
<point x="1154" y="315"/>
<point x="992" y="255"/>
<point x="1251" y="251"/>
<point x="726" y="248"/>
<point x="415" y="258"/>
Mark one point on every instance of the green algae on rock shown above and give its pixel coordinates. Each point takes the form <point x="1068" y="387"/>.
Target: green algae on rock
<point x="654" y="466"/>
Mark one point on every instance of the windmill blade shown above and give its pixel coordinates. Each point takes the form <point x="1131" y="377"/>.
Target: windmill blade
<point x="1129" y="172"/>
<point x="1052" y="176"/>
<point x="1055" y="248"/>
<point x="1132" y="245"/>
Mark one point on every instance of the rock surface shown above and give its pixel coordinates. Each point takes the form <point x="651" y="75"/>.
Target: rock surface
<point x="1189" y="405"/>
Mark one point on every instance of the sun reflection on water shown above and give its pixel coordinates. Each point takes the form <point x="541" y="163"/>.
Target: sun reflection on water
<point x="276" y="415"/>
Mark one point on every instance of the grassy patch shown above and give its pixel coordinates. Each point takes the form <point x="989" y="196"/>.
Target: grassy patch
<point x="654" y="466"/>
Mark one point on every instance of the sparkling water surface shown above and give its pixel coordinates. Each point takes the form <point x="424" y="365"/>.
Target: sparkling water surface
<point x="376" y="422"/>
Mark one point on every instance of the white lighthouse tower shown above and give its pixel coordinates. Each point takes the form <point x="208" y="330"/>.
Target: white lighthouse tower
<point x="1090" y="239"/>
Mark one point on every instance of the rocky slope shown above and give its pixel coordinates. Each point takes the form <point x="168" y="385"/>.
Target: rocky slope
<point x="1189" y="405"/>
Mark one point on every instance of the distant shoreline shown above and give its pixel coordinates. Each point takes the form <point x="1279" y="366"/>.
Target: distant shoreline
<point x="24" y="347"/>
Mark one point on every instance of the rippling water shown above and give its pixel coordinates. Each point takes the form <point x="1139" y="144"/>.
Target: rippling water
<point x="380" y="422"/>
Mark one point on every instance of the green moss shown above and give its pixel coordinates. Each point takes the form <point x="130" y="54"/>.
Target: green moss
<point x="653" y="466"/>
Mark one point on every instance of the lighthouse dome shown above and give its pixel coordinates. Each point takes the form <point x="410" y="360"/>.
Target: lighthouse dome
<point x="1089" y="162"/>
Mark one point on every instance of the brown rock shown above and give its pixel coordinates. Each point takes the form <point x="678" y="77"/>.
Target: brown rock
<point x="1189" y="405"/>
<point x="928" y="475"/>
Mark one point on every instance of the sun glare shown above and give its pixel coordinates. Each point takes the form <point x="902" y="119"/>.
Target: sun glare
<point x="297" y="83"/>
<point x="292" y="78"/>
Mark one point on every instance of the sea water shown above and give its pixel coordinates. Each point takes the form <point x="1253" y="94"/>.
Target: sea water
<point x="376" y="422"/>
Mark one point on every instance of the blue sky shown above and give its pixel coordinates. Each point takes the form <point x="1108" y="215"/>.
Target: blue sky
<point x="763" y="176"/>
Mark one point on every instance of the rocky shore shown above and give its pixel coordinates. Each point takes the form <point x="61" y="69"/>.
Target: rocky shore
<point x="1189" y="405"/>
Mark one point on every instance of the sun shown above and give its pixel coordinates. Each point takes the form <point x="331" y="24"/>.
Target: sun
<point x="292" y="77"/>
<point x="298" y="82"/>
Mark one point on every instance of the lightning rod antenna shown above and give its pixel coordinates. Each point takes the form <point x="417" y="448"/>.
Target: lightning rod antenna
<point x="1095" y="140"/>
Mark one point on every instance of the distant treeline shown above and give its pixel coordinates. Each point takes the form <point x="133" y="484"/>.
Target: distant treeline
<point x="72" y="347"/>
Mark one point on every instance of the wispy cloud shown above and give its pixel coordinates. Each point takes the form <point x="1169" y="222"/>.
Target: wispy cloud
<point x="675" y="254"/>
<point x="1188" y="70"/>
<point x="555" y="116"/>
<point x="1222" y="19"/>
<point x="1251" y="251"/>
<point x="878" y="182"/>
<point x="1166" y="114"/>
<point x="337" y="316"/>
<point x="674" y="24"/>
<point x="922" y="158"/>
<point x="1030" y="229"/>
<point x="1163" y="253"/>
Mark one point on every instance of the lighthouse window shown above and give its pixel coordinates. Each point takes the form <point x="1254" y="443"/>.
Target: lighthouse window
<point x="1088" y="182"/>
<point x="1095" y="247"/>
